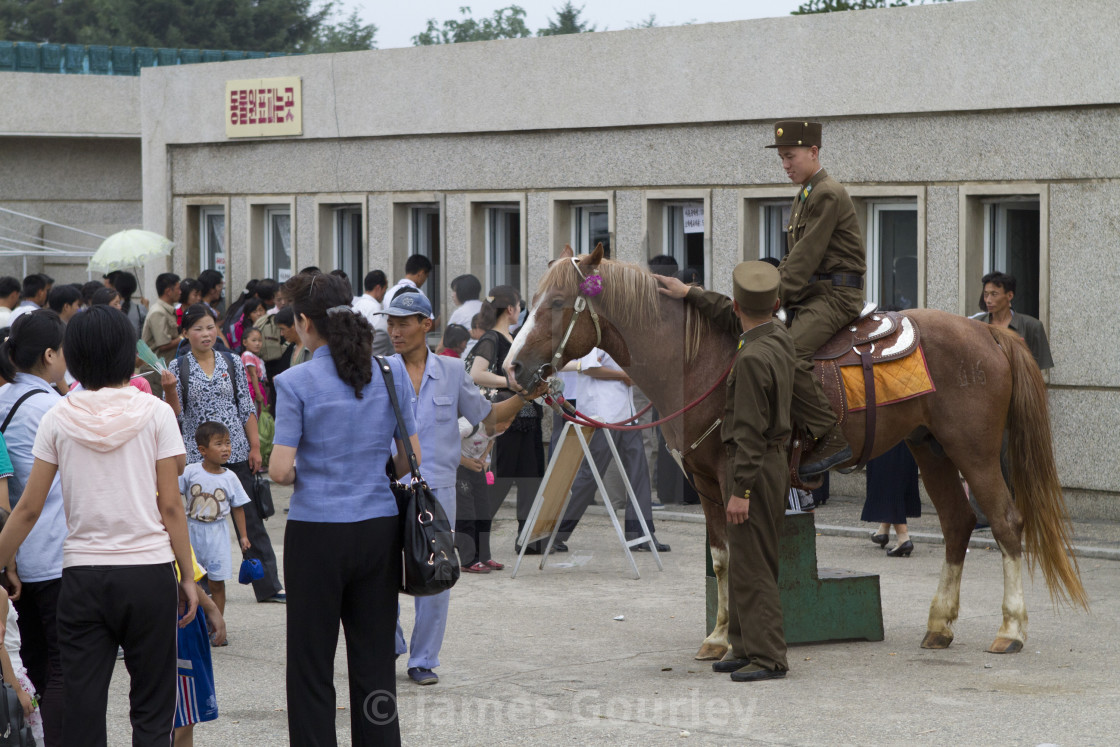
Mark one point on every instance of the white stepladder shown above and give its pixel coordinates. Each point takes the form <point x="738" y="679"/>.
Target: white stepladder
<point x="551" y="501"/>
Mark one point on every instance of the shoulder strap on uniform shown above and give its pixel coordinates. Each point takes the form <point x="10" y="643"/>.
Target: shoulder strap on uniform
<point x="12" y="412"/>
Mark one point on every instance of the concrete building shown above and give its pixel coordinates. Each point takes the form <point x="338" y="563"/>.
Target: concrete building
<point x="972" y="136"/>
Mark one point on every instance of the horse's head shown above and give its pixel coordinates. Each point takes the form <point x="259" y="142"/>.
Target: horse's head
<point x="566" y="322"/>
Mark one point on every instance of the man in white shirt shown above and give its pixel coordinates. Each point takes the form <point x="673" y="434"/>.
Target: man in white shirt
<point x="34" y="295"/>
<point x="465" y="290"/>
<point x="369" y="305"/>
<point x="606" y="394"/>
<point x="416" y="271"/>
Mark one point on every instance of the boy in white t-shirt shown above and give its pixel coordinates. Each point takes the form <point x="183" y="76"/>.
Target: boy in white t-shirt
<point x="210" y="491"/>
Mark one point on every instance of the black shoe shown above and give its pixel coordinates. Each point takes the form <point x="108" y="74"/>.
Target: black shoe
<point x="829" y="451"/>
<point x="559" y="546"/>
<point x="644" y="547"/>
<point x="755" y="673"/>
<point x="902" y="550"/>
<point x="533" y="549"/>
<point x="727" y="666"/>
<point x="881" y="539"/>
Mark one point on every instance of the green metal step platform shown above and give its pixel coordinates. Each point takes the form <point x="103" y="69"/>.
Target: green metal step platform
<point x="827" y="604"/>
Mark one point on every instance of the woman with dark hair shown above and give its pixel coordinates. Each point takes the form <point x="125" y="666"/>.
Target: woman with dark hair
<point x="235" y="311"/>
<point x="342" y="543"/>
<point x="190" y="293"/>
<point x="465" y="290"/>
<point x="125" y="284"/>
<point x="519" y="452"/>
<point x="118" y="454"/>
<point x="88" y="289"/>
<point x="203" y="385"/>
<point x="249" y="313"/>
<point x="31" y="359"/>
<point x="107" y="297"/>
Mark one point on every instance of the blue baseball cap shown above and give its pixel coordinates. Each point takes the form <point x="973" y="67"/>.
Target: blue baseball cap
<point x="409" y="304"/>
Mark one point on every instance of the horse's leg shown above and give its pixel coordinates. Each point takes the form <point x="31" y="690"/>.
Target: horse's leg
<point x="1007" y="529"/>
<point x="715" y="645"/>
<point x="942" y="480"/>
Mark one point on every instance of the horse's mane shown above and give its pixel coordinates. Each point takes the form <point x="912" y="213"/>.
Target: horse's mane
<point x="629" y="299"/>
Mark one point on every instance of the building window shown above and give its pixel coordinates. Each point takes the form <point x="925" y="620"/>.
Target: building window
<point x="773" y="226"/>
<point x="590" y="227"/>
<point x="503" y="246"/>
<point x="423" y="238"/>
<point x="212" y="239"/>
<point x="349" y="249"/>
<point x="1012" y="229"/>
<point x="683" y="232"/>
<point x="278" y="242"/>
<point x="892" y="257"/>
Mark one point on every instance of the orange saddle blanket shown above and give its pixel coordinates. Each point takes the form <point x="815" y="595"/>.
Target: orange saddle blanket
<point x="895" y="381"/>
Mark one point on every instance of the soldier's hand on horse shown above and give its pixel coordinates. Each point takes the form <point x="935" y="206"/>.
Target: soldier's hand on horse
<point x="671" y="287"/>
<point x="737" y="509"/>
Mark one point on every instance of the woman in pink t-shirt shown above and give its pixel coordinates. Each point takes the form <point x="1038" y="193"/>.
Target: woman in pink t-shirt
<point x="118" y="454"/>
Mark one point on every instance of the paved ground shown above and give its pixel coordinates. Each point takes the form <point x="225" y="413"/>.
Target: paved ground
<point x="540" y="659"/>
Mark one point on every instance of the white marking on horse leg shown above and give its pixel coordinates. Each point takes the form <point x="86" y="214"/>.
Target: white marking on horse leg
<point x="519" y="340"/>
<point x="1014" y="605"/>
<point x="718" y="636"/>
<point x="946" y="602"/>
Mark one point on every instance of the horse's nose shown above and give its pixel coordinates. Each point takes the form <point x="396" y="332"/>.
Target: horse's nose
<point x="515" y="368"/>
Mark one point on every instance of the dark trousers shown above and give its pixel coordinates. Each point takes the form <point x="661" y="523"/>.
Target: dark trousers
<point x="346" y="573"/>
<point x="754" y="604"/>
<point x="472" y="516"/>
<point x="518" y="460"/>
<point x="634" y="466"/>
<point x="100" y="608"/>
<point x="38" y="628"/>
<point x="815" y="321"/>
<point x="260" y="545"/>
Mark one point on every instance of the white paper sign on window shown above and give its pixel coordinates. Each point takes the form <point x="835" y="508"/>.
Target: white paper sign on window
<point x="693" y="218"/>
<point x="220" y="263"/>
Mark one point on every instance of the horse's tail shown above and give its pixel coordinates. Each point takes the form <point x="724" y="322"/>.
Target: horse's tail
<point x="1034" y="476"/>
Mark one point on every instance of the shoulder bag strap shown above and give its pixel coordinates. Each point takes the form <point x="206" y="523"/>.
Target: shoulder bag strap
<point x="232" y="371"/>
<point x="387" y="372"/>
<point x="12" y="412"/>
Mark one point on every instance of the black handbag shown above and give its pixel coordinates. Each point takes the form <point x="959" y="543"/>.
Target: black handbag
<point x="14" y="729"/>
<point x="262" y="496"/>
<point x="430" y="563"/>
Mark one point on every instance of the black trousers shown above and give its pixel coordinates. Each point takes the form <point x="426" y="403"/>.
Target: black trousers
<point x="473" y="520"/>
<point x="346" y="573"/>
<point x="261" y="546"/>
<point x="100" y="608"/>
<point x="38" y="628"/>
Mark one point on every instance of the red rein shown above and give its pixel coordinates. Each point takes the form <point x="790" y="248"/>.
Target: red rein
<point x="580" y="419"/>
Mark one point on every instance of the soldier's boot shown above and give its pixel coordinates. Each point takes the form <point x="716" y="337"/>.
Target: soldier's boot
<point x="830" y="450"/>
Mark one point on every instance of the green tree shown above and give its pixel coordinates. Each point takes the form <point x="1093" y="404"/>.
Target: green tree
<point x="505" y="23"/>
<point x="567" y="21"/>
<point x="349" y="35"/>
<point x="830" y="6"/>
<point x="646" y="23"/>
<point x="254" y="25"/>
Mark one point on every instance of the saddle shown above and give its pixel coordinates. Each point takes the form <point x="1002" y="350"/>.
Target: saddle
<point x="875" y="337"/>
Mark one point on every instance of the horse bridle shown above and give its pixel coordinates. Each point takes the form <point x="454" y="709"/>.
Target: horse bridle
<point x="580" y="305"/>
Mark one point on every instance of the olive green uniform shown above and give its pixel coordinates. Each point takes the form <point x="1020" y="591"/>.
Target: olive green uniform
<point x="825" y="249"/>
<point x="755" y="432"/>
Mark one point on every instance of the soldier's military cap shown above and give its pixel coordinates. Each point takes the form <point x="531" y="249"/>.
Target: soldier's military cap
<point x="796" y="132"/>
<point x="756" y="285"/>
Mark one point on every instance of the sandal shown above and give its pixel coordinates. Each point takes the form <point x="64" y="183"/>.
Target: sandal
<point x="478" y="567"/>
<point x="494" y="565"/>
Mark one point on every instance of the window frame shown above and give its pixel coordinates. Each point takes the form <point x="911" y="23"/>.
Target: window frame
<point x="656" y="223"/>
<point x="873" y="290"/>
<point x="270" y="212"/>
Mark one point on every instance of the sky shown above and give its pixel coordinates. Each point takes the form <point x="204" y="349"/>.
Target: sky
<point x="398" y="22"/>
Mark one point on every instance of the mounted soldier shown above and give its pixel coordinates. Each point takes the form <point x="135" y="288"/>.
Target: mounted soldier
<point x="821" y="284"/>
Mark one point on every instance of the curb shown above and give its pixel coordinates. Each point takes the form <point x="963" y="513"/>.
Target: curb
<point x="929" y="538"/>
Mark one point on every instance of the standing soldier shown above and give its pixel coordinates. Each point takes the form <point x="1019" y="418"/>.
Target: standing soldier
<point x="822" y="283"/>
<point x="755" y="431"/>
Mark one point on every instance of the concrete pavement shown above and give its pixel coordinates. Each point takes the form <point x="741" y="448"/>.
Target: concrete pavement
<point x="540" y="660"/>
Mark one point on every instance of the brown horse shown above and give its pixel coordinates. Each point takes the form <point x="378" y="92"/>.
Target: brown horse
<point x="985" y="379"/>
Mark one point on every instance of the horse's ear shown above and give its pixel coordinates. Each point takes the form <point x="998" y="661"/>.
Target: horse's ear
<point x="567" y="253"/>
<point x="596" y="256"/>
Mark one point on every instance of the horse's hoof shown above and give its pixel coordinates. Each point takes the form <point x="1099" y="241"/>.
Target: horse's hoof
<point x="1005" y="646"/>
<point x="710" y="652"/>
<point x="937" y="640"/>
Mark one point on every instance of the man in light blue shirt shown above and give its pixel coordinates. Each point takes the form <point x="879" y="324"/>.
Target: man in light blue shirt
<point x="441" y="391"/>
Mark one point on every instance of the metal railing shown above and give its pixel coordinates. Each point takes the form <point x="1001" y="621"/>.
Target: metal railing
<point x="99" y="59"/>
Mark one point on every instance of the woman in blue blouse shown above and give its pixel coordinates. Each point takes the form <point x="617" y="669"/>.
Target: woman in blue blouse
<point x="342" y="544"/>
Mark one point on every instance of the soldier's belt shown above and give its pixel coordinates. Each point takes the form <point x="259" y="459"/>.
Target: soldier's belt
<point x="842" y="279"/>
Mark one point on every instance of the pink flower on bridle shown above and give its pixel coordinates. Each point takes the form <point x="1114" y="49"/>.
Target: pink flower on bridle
<point x="591" y="286"/>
